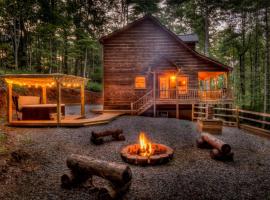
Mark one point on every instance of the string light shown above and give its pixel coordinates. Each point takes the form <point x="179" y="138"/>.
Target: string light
<point x="32" y="83"/>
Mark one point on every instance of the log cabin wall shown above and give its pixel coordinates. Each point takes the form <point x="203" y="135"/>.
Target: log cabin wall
<point x="133" y="51"/>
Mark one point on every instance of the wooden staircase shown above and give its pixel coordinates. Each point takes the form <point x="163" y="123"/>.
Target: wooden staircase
<point x="142" y="104"/>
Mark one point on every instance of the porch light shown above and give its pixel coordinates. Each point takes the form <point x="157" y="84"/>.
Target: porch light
<point x="173" y="78"/>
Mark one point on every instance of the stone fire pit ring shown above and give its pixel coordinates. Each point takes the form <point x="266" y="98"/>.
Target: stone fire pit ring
<point x="164" y="155"/>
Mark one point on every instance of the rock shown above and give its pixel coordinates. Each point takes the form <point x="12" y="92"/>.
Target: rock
<point x="20" y="155"/>
<point x="3" y="166"/>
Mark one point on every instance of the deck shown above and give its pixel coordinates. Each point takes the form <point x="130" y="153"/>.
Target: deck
<point x="68" y="121"/>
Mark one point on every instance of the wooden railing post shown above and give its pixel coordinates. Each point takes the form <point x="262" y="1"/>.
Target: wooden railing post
<point x="237" y="117"/>
<point x="192" y="113"/>
<point x="154" y="94"/>
<point x="132" y="108"/>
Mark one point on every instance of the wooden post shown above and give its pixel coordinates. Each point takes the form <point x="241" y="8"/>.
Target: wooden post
<point x="44" y="95"/>
<point x="177" y="110"/>
<point x="82" y="100"/>
<point x="9" y="103"/>
<point x="132" y="108"/>
<point x="237" y="117"/>
<point x="154" y="94"/>
<point x="226" y="79"/>
<point x="206" y="111"/>
<point x="192" y="113"/>
<point x="58" y="89"/>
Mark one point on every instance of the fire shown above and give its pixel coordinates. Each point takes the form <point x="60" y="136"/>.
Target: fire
<point x="145" y="145"/>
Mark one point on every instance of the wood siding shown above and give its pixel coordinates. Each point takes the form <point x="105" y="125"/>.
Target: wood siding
<point x="134" y="51"/>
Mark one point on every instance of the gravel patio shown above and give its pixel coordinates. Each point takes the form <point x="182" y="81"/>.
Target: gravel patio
<point x="190" y="175"/>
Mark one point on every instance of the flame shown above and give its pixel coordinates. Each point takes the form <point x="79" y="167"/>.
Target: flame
<point x="145" y="145"/>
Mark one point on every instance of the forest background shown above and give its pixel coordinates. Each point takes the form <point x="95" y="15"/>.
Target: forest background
<point x="61" y="36"/>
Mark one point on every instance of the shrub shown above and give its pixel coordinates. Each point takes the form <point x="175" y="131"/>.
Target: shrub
<point x="94" y="86"/>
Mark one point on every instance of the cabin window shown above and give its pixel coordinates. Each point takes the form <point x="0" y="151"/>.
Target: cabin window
<point x="182" y="82"/>
<point x="140" y="82"/>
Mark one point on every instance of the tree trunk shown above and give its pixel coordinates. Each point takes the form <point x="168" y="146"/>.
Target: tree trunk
<point x="267" y="64"/>
<point x="85" y="63"/>
<point x="206" y="33"/>
<point x="242" y="59"/>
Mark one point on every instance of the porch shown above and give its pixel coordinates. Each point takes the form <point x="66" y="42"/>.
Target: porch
<point x="177" y="88"/>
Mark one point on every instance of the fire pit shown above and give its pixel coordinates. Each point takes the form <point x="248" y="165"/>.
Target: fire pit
<point x="146" y="153"/>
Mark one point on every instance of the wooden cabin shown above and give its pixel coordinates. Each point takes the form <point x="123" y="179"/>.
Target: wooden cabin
<point x="149" y="70"/>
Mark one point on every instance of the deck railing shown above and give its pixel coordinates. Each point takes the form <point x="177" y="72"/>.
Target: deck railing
<point x="187" y="96"/>
<point x="194" y="94"/>
<point x="254" y="121"/>
<point x="141" y="102"/>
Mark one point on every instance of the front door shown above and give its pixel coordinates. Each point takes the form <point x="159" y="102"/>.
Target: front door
<point x="163" y="87"/>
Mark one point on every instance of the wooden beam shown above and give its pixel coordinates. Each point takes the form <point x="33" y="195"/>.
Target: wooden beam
<point x="9" y="103"/>
<point x="44" y="95"/>
<point x="154" y="94"/>
<point x="192" y="113"/>
<point x="58" y="89"/>
<point x="82" y="100"/>
<point x="177" y="111"/>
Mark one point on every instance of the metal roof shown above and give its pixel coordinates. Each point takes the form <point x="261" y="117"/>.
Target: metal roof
<point x="193" y="37"/>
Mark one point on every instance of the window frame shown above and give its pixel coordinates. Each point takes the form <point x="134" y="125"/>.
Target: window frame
<point x="187" y="83"/>
<point x="145" y="82"/>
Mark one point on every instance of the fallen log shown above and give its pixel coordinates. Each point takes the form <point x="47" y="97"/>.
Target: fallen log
<point x="111" y="192"/>
<point x="217" y="155"/>
<point x="216" y="143"/>
<point x="114" y="172"/>
<point x="117" y="134"/>
<point x="113" y="133"/>
<point x="84" y="167"/>
<point x="202" y="144"/>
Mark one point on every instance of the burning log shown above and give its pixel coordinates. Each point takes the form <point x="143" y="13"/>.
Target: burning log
<point x="84" y="167"/>
<point x="117" y="134"/>
<point x="216" y="143"/>
<point x="217" y="155"/>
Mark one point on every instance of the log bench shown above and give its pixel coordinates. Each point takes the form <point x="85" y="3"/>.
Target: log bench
<point x="97" y="137"/>
<point x="219" y="149"/>
<point x="82" y="168"/>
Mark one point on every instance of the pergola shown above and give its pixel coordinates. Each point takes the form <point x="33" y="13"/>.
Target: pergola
<point x="44" y="81"/>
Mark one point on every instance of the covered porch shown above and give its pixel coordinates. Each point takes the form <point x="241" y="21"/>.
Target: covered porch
<point x="175" y="87"/>
<point x="210" y="86"/>
<point x="33" y="111"/>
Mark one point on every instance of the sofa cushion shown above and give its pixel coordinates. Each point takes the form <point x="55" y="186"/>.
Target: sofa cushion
<point x="28" y="100"/>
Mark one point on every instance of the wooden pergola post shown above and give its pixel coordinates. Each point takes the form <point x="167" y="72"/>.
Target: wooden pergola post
<point x="58" y="88"/>
<point x="9" y="103"/>
<point x="44" y="95"/>
<point x="82" y="100"/>
<point x="154" y="94"/>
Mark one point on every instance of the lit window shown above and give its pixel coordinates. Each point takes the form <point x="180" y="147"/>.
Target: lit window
<point x="182" y="84"/>
<point x="140" y="82"/>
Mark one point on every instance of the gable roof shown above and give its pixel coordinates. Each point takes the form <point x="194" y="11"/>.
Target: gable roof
<point x="193" y="37"/>
<point x="158" y="23"/>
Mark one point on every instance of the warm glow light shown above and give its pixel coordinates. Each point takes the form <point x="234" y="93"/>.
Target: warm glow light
<point x="145" y="145"/>
<point x="173" y="78"/>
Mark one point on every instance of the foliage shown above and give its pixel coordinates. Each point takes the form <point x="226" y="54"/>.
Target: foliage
<point x="38" y="36"/>
<point x="94" y="86"/>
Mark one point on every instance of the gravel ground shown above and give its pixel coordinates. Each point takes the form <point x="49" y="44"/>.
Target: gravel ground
<point x="190" y="175"/>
